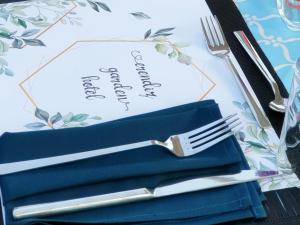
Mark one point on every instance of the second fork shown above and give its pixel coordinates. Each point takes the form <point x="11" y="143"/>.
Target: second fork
<point x="218" y="46"/>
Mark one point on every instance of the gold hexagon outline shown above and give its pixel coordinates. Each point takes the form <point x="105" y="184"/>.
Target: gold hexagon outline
<point x="91" y="41"/>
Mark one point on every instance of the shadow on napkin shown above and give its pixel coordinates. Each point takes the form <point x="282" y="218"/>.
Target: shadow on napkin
<point x="144" y="167"/>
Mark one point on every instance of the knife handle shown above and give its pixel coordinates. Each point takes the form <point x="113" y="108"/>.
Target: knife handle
<point x="248" y="92"/>
<point x="245" y="42"/>
<point x="74" y="205"/>
<point x="256" y="59"/>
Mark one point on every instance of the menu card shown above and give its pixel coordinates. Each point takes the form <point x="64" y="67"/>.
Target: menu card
<point x="62" y="65"/>
<point x="75" y="63"/>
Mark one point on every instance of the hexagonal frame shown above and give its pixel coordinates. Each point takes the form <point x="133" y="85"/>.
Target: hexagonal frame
<point x="35" y="73"/>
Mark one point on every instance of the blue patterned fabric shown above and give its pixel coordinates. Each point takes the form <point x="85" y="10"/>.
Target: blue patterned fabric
<point x="281" y="45"/>
<point x="145" y="167"/>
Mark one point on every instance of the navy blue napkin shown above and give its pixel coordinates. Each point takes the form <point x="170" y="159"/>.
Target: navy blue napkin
<point x="144" y="167"/>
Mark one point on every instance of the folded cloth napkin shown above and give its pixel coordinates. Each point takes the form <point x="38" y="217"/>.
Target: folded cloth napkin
<point x="144" y="167"/>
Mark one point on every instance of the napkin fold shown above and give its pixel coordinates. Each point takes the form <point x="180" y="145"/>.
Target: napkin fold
<point x="144" y="167"/>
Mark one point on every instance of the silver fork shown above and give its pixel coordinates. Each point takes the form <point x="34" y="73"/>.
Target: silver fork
<point x="182" y="145"/>
<point x="218" y="46"/>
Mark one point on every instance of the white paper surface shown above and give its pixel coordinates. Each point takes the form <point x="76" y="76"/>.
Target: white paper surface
<point x="73" y="63"/>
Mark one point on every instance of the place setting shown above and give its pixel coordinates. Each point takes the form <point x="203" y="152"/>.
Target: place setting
<point x="124" y="112"/>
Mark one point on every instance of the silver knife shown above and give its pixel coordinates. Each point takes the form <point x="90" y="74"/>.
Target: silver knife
<point x="279" y="102"/>
<point x="197" y="184"/>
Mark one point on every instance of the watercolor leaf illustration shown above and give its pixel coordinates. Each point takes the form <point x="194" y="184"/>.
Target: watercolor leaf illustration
<point x="259" y="148"/>
<point x="140" y="15"/>
<point x="59" y="121"/>
<point x="253" y="138"/>
<point x="21" y="22"/>
<point x="166" y="47"/>
<point x="10" y="39"/>
<point x="160" y="33"/>
<point x="56" y="118"/>
<point x="96" y="5"/>
<point x="147" y="34"/>
<point x="245" y="110"/>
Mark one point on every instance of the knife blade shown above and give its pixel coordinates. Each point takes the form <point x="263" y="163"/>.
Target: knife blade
<point x="141" y="194"/>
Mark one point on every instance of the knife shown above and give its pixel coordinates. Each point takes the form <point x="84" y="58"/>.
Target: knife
<point x="141" y="194"/>
<point x="279" y="102"/>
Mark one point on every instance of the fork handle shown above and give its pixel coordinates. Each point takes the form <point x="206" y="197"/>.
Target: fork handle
<point x="248" y="92"/>
<point x="14" y="167"/>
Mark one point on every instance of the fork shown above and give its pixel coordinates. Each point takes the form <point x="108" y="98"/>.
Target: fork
<point x="218" y="46"/>
<point x="181" y="145"/>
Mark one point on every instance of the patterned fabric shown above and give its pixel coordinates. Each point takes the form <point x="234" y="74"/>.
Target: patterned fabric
<point x="281" y="45"/>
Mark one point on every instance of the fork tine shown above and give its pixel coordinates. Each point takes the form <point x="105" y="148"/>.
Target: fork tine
<point x="209" y="144"/>
<point x="215" y="31"/>
<point x="195" y="132"/>
<point x="210" y="32"/>
<point x="205" y="33"/>
<point x="215" y="135"/>
<point x="211" y="131"/>
<point x="220" y="30"/>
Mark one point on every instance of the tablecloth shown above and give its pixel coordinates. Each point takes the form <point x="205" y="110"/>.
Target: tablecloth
<point x="280" y="44"/>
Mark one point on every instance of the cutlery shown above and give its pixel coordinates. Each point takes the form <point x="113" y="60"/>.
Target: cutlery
<point x="279" y="102"/>
<point x="141" y="194"/>
<point x="218" y="46"/>
<point x="181" y="145"/>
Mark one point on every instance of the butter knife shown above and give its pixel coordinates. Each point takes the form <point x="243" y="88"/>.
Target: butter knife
<point x="279" y="102"/>
<point x="141" y="194"/>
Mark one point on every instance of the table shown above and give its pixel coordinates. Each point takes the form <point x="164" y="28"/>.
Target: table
<point x="281" y="66"/>
<point x="281" y="45"/>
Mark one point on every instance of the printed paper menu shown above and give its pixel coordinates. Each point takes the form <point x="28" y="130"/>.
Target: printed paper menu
<point x="75" y="63"/>
<point x="61" y="71"/>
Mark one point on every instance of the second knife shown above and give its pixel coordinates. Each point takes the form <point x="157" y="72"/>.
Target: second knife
<point x="279" y="102"/>
<point x="141" y="194"/>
